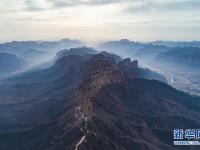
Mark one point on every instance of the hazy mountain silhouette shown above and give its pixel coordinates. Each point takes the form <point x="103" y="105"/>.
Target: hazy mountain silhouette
<point x="177" y="43"/>
<point x="185" y="56"/>
<point x="140" y="50"/>
<point x="37" y="51"/>
<point x="76" y="51"/>
<point x="10" y="63"/>
<point x="121" y="47"/>
<point x="150" y="52"/>
<point x="17" y="46"/>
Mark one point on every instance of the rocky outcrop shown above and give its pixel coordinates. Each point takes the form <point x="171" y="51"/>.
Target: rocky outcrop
<point x="98" y="72"/>
<point x="111" y="105"/>
<point x="129" y="68"/>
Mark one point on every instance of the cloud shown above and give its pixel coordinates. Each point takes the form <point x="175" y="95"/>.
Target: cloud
<point x="36" y="5"/>
<point x="92" y="18"/>
<point x="165" y="6"/>
<point x="65" y="3"/>
<point x="131" y="5"/>
<point x="41" y="5"/>
<point x="31" y="6"/>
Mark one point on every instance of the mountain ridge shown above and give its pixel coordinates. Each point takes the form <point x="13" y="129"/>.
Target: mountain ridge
<point x="118" y="109"/>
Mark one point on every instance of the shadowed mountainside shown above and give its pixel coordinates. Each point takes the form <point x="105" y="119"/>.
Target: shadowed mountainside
<point x="93" y="102"/>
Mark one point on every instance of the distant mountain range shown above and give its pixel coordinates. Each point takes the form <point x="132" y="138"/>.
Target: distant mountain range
<point x="185" y="56"/>
<point x="36" y="50"/>
<point x="31" y="53"/>
<point x="149" y="52"/>
<point x="89" y="101"/>
<point x="177" y="44"/>
<point x="17" y="46"/>
<point x="184" y="53"/>
<point x="121" y="47"/>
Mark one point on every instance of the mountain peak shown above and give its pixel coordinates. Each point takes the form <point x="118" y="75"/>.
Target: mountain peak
<point x="129" y="67"/>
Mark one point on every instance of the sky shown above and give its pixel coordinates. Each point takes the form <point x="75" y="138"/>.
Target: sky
<point x="100" y="20"/>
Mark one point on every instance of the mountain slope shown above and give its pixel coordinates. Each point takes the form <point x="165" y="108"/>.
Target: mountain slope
<point x="38" y="92"/>
<point x="150" y="51"/>
<point x="10" y="63"/>
<point x="110" y="108"/>
<point x="186" y="56"/>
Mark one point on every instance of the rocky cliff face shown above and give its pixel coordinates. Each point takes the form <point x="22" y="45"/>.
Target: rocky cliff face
<point x="129" y="68"/>
<point x="111" y="108"/>
<point x="98" y="72"/>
